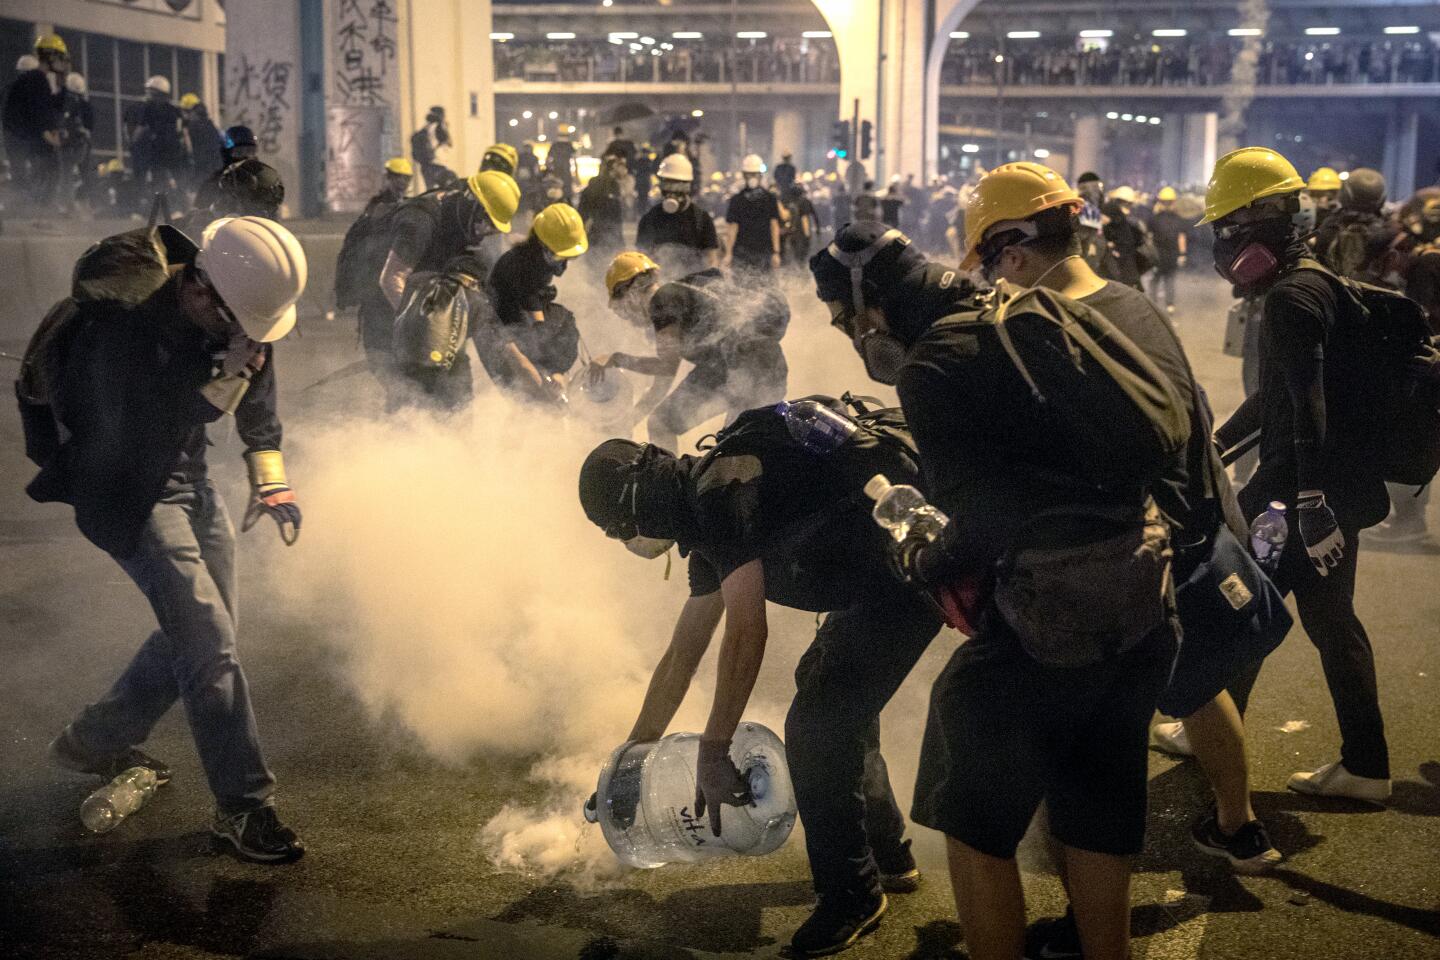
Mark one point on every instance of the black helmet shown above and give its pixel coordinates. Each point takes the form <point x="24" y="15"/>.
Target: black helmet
<point x="250" y="188"/>
<point x="608" y="488"/>
<point x="865" y="259"/>
<point x="240" y="136"/>
<point x="1363" y="191"/>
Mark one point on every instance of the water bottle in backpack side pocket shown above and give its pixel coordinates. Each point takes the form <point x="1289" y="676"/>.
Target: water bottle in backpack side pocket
<point x="103" y="810"/>
<point x="815" y="426"/>
<point x="1268" y="535"/>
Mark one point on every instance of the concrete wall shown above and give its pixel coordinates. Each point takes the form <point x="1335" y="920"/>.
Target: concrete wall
<point x="447" y="60"/>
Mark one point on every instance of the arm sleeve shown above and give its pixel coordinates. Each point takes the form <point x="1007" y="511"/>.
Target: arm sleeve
<point x="256" y="419"/>
<point x="1246" y="419"/>
<point x="1298" y="313"/>
<point x="709" y="240"/>
<point x="645" y="235"/>
<point x="413" y="232"/>
<point x="730" y="215"/>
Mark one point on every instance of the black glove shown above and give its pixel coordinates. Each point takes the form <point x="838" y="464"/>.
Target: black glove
<point x="718" y="782"/>
<point x="1319" y="530"/>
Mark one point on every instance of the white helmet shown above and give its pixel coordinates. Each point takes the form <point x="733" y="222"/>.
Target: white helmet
<point x="258" y="268"/>
<point x="1123" y="194"/>
<point x="677" y="166"/>
<point x="159" y="84"/>
<point x="752" y="164"/>
<point x="75" y="83"/>
<point x="27" y="61"/>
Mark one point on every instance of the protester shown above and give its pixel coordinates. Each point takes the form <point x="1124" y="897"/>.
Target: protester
<point x="163" y="338"/>
<point x="154" y="131"/>
<point x="1126" y="251"/>
<point x="602" y="207"/>
<point x="430" y="148"/>
<point x="753" y="219"/>
<point x="1355" y="240"/>
<point x="500" y="157"/>
<point x="1172" y="243"/>
<point x="677" y="232"/>
<point x="34" y="123"/>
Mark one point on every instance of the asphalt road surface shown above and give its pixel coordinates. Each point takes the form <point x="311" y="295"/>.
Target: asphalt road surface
<point x="397" y="866"/>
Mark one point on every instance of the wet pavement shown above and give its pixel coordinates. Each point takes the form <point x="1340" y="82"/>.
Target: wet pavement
<point x="397" y="865"/>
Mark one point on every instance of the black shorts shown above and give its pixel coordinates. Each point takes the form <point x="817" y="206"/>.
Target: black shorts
<point x="1005" y="733"/>
<point x="742" y="376"/>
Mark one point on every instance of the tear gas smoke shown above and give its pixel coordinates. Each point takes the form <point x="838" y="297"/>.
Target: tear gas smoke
<point x="470" y="602"/>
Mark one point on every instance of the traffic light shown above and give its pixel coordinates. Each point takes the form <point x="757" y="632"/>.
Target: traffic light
<point x="840" y="139"/>
<point x="867" y="136"/>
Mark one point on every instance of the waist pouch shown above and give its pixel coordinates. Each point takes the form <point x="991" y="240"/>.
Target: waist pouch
<point x="1232" y="616"/>
<point x="1080" y="587"/>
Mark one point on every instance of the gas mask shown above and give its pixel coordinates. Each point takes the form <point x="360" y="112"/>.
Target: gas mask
<point x="883" y="355"/>
<point x="554" y="194"/>
<point x="1248" y="255"/>
<point x="675" y="199"/>
<point x="752" y="181"/>
<point x="649" y="548"/>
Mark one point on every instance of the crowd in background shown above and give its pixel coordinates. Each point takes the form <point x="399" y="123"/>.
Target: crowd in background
<point x="771" y="60"/>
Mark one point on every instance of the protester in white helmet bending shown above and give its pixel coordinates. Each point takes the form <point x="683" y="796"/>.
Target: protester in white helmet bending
<point x="158" y="339"/>
<point x="677" y="232"/>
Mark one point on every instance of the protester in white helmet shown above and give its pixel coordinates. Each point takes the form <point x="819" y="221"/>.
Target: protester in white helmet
<point x="159" y="339"/>
<point x="753" y="219"/>
<point x="677" y="232"/>
<point x="154" y="128"/>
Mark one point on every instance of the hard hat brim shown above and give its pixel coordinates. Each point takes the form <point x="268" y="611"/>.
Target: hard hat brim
<point x="269" y="329"/>
<point x="570" y="253"/>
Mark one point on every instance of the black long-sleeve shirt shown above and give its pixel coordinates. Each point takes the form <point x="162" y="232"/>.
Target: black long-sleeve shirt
<point x="129" y="399"/>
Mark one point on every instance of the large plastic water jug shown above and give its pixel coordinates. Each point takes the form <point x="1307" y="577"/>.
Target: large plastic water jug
<point x="645" y="803"/>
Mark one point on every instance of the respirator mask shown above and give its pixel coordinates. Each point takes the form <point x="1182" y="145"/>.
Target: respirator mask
<point x="675" y="195"/>
<point x="626" y="528"/>
<point x="1248" y="255"/>
<point x="880" y="350"/>
<point x="649" y="548"/>
<point x="752" y="181"/>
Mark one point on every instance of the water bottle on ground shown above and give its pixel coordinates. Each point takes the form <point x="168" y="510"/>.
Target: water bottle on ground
<point x="815" y="426"/>
<point x="103" y="810"/>
<point x="900" y="508"/>
<point x="645" y="803"/>
<point x="1268" y="535"/>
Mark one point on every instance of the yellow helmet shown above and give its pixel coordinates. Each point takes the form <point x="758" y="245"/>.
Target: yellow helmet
<point x="1167" y="195"/>
<point x="560" y="228"/>
<point x="1324" y="178"/>
<point x="505" y="152"/>
<point x="51" y="43"/>
<point x="189" y="102"/>
<point x="498" y="193"/>
<point x="1243" y="176"/>
<point x="401" y="167"/>
<point x="1012" y="191"/>
<point x="626" y="267"/>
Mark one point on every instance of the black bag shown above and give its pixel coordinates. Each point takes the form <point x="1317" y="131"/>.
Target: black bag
<point x="1120" y="418"/>
<point x="126" y="268"/>
<point x="1348" y="254"/>
<point x="362" y="257"/>
<point x="434" y="320"/>
<point x="1080" y="585"/>
<point x="1379" y="413"/>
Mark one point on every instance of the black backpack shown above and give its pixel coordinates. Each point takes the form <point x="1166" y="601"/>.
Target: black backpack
<point x="1119" y="416"/>
<point x="1378" y="411"/>
<point x="362" y="257"/>
<point x="123" y="269"/>
<point x="1348" y="254"/>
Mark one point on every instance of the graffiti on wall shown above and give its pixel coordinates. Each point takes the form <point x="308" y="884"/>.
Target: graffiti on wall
<point x="261" y="96"/>
<point x="363" y="51"/>
<point x="355" y="138"/>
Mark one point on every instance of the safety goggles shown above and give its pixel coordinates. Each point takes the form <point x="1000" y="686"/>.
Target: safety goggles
<point x="625" y="526"/>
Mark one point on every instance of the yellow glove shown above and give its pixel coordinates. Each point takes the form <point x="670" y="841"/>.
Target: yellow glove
<point x="270" y="493"/>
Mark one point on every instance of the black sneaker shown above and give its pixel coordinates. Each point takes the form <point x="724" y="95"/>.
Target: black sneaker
<point x="1055" y="938"/>
<point x="258" y="836"/>
<point x="1248" y="849"/>
<point x="836" y="925"/>
<point x="898" y="872"/>
<point x="68" y="755"/>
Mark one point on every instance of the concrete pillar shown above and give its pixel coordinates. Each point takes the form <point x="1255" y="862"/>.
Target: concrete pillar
<point x="1089" y="150"/>
<point x="1200" y="146"/>
<point x="789" y="135"/>
<point x="1402" y="140"/>
<point x="262" y="80"/>
<point x="363" y="51"/>
<point x="447" y="61"/>
<point x="1172" y="149"/>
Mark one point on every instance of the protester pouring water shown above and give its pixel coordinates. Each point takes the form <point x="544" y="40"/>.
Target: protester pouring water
<point x="160" y="338"/>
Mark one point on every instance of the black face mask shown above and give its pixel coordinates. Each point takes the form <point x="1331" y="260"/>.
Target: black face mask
<point x="883" y="355"/>
<point x="1251" y="256"/>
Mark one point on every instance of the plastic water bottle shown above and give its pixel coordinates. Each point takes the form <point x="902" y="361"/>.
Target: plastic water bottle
<point x="900" y="508"/>
<point x="103" y="810"/>
<point x="645" y="803"/>
<point x="1268" y="535"/>
<point x="815" y="426"/>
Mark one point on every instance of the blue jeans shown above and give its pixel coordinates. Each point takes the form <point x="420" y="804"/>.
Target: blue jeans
<point x="185" y="566"/>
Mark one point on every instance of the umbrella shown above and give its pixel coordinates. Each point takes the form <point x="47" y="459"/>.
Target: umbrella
<point x="625" y="112"/>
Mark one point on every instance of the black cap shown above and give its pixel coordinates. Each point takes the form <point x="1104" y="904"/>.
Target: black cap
<point x="240" y="136"/>
<point x="1089" y="176"/>
<point x="604" y="477"/>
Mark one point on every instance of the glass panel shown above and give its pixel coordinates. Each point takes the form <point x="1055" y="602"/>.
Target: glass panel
<point x="100" y="63"/>
<point x="187" y="69"/>
<point x="162" y="63"/>
<point x="105" y="119"/>
<point x="132" y="68"/>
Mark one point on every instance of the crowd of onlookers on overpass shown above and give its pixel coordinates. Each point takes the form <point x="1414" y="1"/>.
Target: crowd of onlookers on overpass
<point x="1043" y="61"/>
<point x="663" y="60"/>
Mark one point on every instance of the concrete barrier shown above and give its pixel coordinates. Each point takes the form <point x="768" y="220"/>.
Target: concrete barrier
<point x="36" y="267"/>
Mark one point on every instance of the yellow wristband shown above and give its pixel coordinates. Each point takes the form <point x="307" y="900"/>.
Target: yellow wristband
<point x="267" y="468"/>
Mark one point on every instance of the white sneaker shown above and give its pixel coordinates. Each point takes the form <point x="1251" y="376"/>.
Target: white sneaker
<point x="1172" y="738"/>
<point x="1333" y="780"/>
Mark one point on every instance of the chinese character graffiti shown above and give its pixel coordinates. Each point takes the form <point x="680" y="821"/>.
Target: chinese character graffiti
<point x="261" y="98"/>
<point x="363" y="44"/>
